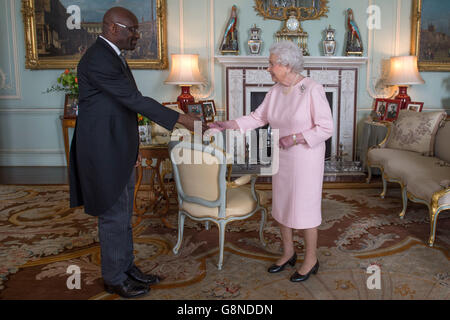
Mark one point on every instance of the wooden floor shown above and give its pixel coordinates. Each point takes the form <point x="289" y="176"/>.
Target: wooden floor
<point x="59" y="175"/>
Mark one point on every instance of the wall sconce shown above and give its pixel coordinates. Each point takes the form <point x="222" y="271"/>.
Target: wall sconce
<point x="185" y="73"/>
<point x="404" y="73"/>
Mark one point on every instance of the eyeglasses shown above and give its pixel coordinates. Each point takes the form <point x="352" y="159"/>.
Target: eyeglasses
<point x="131" y="29"/>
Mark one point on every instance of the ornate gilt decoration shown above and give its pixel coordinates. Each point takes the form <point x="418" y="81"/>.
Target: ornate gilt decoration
<point x="292" y="12"/>
<point x="34" y="61"/>
<point x="280" y="9"/>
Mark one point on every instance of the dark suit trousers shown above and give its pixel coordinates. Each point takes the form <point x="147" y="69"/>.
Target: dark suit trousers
<point x="116" y="237"/>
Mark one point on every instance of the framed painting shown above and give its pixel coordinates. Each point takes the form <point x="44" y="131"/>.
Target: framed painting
<point x="58" y="32"/>
<point x="430" y="39"/>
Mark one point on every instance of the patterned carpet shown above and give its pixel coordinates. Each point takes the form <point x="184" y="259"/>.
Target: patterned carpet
<point x="40" y="237"/>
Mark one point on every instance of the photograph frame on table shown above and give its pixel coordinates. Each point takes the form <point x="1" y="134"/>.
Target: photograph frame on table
<point x="414" y="106"/>
<point x="74" y="25"/>
<point x="380" y="108"/>
<point x="196" y="109"/>
<point x="432" y="53"/>
<point x="209" y="110"/>
<point x="70" y="107"/>
<point x="392" y="110"/>
<point x="176" y="106"/>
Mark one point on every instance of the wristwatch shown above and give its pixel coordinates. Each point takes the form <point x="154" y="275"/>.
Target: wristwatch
<point x="294" y="136"/>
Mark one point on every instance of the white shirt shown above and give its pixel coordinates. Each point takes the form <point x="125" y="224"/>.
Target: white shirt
<point x="112" y="45"/>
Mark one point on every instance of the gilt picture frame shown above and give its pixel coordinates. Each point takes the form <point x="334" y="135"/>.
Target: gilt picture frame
<point x="58" y="32"/>
<point x="430" y="37"/>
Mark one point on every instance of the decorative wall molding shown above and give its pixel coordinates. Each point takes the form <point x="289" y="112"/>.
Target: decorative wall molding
<point x="6" y="81"/>
<point x="31" y="110"/>
<point x="374" y="79"/>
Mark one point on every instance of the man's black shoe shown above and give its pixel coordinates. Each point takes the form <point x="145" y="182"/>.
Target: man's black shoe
<point x="128" y="289"/>
<point x="139" y="276"/>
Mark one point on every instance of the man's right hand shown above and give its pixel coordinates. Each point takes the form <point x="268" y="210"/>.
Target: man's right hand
<point x="188" y="121"/>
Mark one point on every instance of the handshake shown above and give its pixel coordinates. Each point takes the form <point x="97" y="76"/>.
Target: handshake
<point x="285" y="142"/>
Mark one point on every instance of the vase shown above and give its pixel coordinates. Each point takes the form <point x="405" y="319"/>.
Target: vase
<point x="254" y="43"/>
<point x="329" y="44"/>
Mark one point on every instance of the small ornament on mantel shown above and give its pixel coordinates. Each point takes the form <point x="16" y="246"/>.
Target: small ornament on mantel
<point x="329" y="44"/>
<point x="255" y="43"/>
<point x="230" y="42"/>
<point x="354" y="46"/>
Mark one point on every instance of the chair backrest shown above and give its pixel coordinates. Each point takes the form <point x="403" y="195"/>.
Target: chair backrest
<point x="199" y="173"/>
<point x="442" y="145"/>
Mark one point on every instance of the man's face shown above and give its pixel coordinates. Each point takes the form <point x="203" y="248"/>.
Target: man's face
<point x="127" y="33"/>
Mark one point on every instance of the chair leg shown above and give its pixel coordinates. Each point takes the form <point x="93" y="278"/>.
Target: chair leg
<point x="404" y="201"/>
<point x="433" y="221"/>
<point x="261" y="227"/>
<point x="222" y="225"/>
<point x="181" y="218"/>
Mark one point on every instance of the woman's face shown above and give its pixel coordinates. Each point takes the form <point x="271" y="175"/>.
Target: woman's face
<point x="277" y="71"/>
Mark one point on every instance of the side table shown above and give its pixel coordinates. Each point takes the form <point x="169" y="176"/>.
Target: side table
<point x="158" y="191"/>
<point x="374" y="133"/>
<point x="66" y="124"/>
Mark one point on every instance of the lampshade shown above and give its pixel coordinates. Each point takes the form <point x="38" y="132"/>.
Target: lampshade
<point x="404" y="71"/>
<point x="184" y="70"/>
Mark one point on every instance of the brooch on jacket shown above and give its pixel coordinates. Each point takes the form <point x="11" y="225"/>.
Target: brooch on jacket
<point x="302" y="89"/>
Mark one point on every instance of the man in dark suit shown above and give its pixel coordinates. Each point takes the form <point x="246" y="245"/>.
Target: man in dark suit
<point x="105" y="148"/>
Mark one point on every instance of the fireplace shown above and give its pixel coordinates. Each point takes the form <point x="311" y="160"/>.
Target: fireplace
<point x="247" y="81"/>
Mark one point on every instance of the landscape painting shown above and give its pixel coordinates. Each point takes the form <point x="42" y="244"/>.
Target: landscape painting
<point x="431" y="34"/>
<point x="58" y="32"/>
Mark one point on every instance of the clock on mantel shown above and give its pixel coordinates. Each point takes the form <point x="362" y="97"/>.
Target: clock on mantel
<point x="292" y="12"/>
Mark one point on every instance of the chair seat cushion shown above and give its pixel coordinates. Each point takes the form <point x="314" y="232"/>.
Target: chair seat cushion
<point x="239" y="203"/>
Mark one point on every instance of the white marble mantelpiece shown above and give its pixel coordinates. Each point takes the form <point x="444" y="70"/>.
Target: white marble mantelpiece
<point x="317" y="62"/>
<point x="338" y="75"/>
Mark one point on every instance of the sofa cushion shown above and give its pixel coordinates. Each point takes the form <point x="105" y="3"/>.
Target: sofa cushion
<point x="423" y="187"/>
<point x="381" y="156"/>
<point x="407" y="168"/>
<point x="415" y="131"/>
<point x="442" y="145"/>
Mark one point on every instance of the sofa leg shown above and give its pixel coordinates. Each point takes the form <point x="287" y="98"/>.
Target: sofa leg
<point x="383" y="178"/>
<point x="433" y="221"/>
<point x="369" y="174"/>
<point x="404" y="202"/>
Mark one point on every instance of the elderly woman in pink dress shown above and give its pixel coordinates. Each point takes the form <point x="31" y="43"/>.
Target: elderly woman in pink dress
<point x="297" y="107"/>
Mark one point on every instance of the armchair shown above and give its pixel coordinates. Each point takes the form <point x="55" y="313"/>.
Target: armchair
<point x="205" y="195"/>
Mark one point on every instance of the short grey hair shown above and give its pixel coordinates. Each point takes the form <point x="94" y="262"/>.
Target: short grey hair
<point x="288" y="54"/>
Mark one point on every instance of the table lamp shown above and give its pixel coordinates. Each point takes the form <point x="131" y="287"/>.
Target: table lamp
<point x="185" y="73"/>
<point x="404" y="73"/>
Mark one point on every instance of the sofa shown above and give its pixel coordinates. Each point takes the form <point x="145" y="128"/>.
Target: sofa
<point x="416" y="154"/>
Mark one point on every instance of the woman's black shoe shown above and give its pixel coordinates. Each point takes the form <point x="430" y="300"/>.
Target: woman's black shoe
<point x="276" y="268"/>
<point x="297" y="277"/>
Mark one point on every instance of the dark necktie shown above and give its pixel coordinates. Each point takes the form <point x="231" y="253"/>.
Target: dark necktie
<point x="127" y="68"/>
<point x="122" y="57"/>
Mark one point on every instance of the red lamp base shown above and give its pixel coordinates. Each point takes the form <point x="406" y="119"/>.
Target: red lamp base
<point x="185" y="98"/>
<point x="403" y="97"/>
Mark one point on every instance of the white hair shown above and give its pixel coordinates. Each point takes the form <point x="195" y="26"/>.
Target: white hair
<point x="288" y="54"/>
